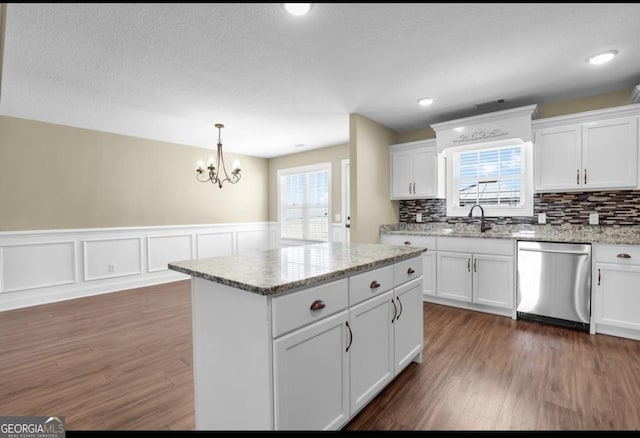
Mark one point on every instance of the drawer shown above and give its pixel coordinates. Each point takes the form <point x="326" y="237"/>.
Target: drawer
<point x="618" y="254"/>
<point x="407" y="270"/>
<point x="294" y="310"/>
<point x="428" y="242"/>
<point x="370" y="283"/>
<point x="479" y="245"/>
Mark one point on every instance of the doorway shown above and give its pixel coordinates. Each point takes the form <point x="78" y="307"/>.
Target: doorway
<point x="346" y="200"/>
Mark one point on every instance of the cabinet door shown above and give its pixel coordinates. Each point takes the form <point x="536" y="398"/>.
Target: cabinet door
<point x="311" y="376"/>
<point x="454" y="275"/>
<point x="424" y="172"/>
<point x="429" y="273"/>
<point x="493" y="280"/>
<point x="408" y="327"/>
<point x="557" y="159"/>
<point x="401" y="178"/>
<point x="610" y="153"/>
<point x="617" y="295"/>
<point x="371" y="350"/>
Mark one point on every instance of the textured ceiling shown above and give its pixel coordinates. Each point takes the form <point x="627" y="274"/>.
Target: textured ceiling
<point x="169" y="71"/>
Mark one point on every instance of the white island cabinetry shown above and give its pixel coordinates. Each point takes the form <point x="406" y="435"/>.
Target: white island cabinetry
<point x="306" y="354"/>
<point x="428" y="257"/>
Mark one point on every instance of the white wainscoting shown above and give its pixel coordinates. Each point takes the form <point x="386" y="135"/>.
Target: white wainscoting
<point x="338" y="232"/>
<point x="162" y="250"/>
<point x="108" y="258"/>
<point x="39" y="267"/>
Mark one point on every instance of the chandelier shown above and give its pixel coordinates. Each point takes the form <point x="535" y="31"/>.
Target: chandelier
<point x="214" y="175"/>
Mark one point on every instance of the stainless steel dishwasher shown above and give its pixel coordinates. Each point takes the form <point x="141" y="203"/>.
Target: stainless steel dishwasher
<point x="554" y="283"/>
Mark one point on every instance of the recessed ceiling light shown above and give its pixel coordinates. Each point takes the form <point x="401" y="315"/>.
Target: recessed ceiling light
<point x="425" y="101"/>
<point x="602" y="58"/>
<point x="297" y="8"/>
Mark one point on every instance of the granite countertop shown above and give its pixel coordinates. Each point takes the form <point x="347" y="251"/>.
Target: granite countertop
<point x="629" y="235"/>
<point x="281" y="270"/>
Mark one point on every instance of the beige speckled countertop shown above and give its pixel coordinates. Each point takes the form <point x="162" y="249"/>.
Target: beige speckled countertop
<point x="281" y="270"/>
<point x="629" y="235"/>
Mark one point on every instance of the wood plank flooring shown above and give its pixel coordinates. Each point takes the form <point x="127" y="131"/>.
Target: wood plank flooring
<point x="123" y="361"/>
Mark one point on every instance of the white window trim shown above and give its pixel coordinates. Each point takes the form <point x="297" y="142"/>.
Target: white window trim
<point x="493" y="211"/>
<point x="295" y="170"/>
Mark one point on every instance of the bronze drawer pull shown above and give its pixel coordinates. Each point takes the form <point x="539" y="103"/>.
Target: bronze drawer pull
<point x="411" y="271"/>
<point x="407" y="242"/>
<point x="317" y="305"/>
<point x="623" y="256"/>
<point x="374" y="285"/>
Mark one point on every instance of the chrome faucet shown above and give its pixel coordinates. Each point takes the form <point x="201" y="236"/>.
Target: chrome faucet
<point x="483" y="227"/>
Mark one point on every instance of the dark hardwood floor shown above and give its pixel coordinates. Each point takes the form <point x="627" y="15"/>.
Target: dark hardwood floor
<point x="123" y="361"/>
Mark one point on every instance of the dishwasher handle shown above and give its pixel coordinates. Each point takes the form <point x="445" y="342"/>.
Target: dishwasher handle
<point x="556" y="251"/>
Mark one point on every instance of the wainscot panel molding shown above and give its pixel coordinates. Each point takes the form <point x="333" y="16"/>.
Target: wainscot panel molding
<point x="32" y="264"/>
<point x="100" y="257"/>
<point x="42" y="266"/>
<point x="162" y="250"/>
<point x="338" y="233"/>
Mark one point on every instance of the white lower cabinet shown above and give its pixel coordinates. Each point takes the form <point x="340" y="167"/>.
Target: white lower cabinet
<point x="616" y="297"/>
<point x="477" y="278"/>
<point x="454" y="273"/>
<point x="485" y="276"/>
<point x="312" y="360"/>
<point x="493" y="280"/>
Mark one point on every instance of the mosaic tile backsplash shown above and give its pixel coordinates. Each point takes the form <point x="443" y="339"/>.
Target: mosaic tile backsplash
<point x="617" y="208"/>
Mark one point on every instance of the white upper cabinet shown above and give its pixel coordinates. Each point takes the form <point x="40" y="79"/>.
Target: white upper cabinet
<point x="557" y="161"/>
<point x="587" y="151"/>
<point x="416" y="170"/>
<point x="610" y="153"/>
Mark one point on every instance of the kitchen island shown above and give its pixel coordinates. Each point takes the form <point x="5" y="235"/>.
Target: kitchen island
<point x="301" y="337"/>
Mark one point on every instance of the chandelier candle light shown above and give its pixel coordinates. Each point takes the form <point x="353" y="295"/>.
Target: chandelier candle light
<point x="214" y="171"/>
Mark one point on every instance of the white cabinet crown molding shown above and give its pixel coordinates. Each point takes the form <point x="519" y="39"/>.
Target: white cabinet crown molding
<point x="529" y="110"/>
<point x="507" y="124"/>
<point x="588" y="116"/>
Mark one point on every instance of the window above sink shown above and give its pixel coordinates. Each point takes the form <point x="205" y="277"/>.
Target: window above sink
<point x="497" y="175"/>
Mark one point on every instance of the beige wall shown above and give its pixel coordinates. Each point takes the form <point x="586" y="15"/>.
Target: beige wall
<point x="370" y="168"/>
<point x="60" y="177"/>
<point x="600" y="101"/>
<point x="333" y="155"/>
<point x="418" y="134"/>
